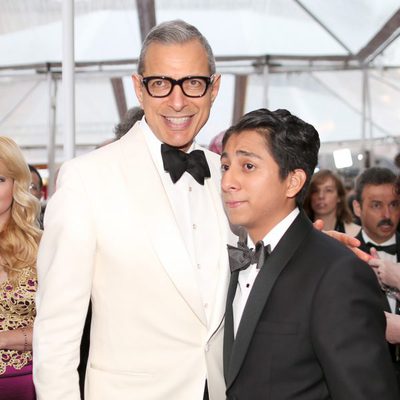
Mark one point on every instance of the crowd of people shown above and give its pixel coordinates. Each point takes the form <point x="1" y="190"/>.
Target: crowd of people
<point x="200" y="276"/>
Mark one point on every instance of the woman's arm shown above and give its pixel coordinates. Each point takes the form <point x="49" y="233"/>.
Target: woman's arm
<point x="351" y="242"/>
<point x="17" y="339"/>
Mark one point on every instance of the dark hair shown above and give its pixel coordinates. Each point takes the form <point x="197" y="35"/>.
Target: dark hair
<point x="36" y="172"/>
<point x="374" y="176"/>
<point x="175" y="32"/>
<point x="292" y="143"/>
<point x="343" y="213"/>
<point x="129" y="119"/>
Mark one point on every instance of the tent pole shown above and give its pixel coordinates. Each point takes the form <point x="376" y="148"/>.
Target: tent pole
<point x="68" y="79"/>
<point x="369" y="119"/>
<point x="366" y="145"/>
<point x="363" y="118"/>
<point x="265" y="101"/>
<point x="51" y="147"/>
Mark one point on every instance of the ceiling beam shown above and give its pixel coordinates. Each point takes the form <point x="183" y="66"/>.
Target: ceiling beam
<point x="389" y="32"/>
<point x="323" y="26"/>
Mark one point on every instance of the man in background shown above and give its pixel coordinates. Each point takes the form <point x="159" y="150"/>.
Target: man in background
<point x="377" y="204"/>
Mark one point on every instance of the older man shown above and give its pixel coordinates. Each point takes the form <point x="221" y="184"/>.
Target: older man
<point x="128" y="227"/>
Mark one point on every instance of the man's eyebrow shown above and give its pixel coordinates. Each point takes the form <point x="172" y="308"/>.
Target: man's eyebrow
<point x="241" y="153"/>
<point x="245" y="153"/>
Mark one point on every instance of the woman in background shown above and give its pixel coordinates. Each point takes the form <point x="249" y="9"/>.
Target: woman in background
<point x="19" y="239"/>
<point x="326" y="200"/>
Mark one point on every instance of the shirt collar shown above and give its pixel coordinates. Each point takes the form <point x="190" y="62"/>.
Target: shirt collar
<point x="276" y="233"/>
<point x="388" y="242"/>
<point x="154" y="145"/>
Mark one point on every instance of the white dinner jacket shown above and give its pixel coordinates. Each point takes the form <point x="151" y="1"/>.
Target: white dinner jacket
<point x="110" y="234"/>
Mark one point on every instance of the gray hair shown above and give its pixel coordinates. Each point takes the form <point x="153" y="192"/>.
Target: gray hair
<point x="175" y="32"/>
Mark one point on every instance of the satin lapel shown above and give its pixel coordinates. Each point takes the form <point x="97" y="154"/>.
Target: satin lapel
<point x="398" y="247"/>
<point x="151" y="206"/>
<point x="228" y="328"/>
<point x="222" y="280"/>
<point x="263" y="284"/>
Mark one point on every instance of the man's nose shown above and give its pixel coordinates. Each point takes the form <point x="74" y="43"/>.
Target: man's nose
<point x="387" y="212"/>
<point x="177" y="99"/>
<point x="229" y="182"/>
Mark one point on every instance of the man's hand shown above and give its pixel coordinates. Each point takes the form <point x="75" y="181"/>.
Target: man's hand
<point x="388" y="272"/>
<point x="351" y="242"/>
<point x="392" y="328"/>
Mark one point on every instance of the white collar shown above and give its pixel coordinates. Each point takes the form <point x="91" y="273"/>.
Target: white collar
<point x="275" y="234"/>
<point x="388" y="242"/>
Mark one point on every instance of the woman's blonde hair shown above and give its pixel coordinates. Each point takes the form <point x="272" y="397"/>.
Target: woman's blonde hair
<point x="19" y="238"/>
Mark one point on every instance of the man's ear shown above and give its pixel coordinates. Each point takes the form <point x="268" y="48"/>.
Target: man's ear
<point x="137" y="84"/>
<point x="357" y="208"/>
<point x="215" y="87"/>
<point x="296" y="181"/>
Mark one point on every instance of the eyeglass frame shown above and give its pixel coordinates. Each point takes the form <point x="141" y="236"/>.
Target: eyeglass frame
<point x="209" y="80"/>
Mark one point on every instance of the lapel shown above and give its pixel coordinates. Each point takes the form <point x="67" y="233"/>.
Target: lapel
<point x="228" y="329"/>
<point x="218" y="305"/>
<point x="263" y="285"/>
<point x="151" y="207"/>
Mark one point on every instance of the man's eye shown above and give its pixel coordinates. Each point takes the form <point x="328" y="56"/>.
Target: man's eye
<point x="195" y="83"/>
<point x="395" y="204"/>
<point x="158" y="83"/>
<point x="248" y="166"/>
<point x="224" y="167"/>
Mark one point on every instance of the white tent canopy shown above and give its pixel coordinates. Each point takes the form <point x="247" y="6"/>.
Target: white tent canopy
<point x="336" y="64"/>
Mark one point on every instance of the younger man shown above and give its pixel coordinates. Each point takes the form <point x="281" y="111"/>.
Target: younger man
<point x="304" y="318"/>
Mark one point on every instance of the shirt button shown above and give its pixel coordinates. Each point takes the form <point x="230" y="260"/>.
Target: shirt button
<point x="190" y="188"/>
<point x="198" y="266"/>
<point x="205" y="305"/>
<point x="194" y="226"/>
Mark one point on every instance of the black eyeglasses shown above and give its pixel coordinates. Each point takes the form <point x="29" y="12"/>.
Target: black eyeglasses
<point x="162" y="86"/>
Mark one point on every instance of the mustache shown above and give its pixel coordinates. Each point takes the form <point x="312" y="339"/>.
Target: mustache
<point x="385" y="222"/>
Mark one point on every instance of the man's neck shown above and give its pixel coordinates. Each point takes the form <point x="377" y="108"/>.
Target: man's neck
<point x="376" y="240"/>
<point x="273" y="235"/>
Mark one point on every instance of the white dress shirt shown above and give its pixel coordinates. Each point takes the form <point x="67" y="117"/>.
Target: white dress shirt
<point x="385" y="256"/>
<point x="196" y="217"/>
<point x="248" y="276"/>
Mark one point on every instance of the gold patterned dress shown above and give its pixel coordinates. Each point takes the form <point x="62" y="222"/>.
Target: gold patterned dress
<point x="17" y="309"/>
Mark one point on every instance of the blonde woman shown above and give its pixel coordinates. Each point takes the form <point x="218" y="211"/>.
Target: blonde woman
<point x="19" y="239"/>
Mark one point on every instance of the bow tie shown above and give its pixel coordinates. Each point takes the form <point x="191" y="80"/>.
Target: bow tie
<point x="390" y="249"/>
<point x="241" y="257"/>
<point x="176" y="162"/>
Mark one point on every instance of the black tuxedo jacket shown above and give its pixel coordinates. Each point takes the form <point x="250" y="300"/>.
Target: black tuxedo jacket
<point x="313" y="327"/>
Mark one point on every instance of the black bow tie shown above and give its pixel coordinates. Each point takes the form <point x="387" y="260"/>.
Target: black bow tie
<point x="176" y="162"/>
<point x="241" y="257"/>
<point x="390" y="249"/>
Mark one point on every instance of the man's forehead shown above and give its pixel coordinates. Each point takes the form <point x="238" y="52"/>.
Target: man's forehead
<point x="380" y="192"/>
<point x="164" y="58"/>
